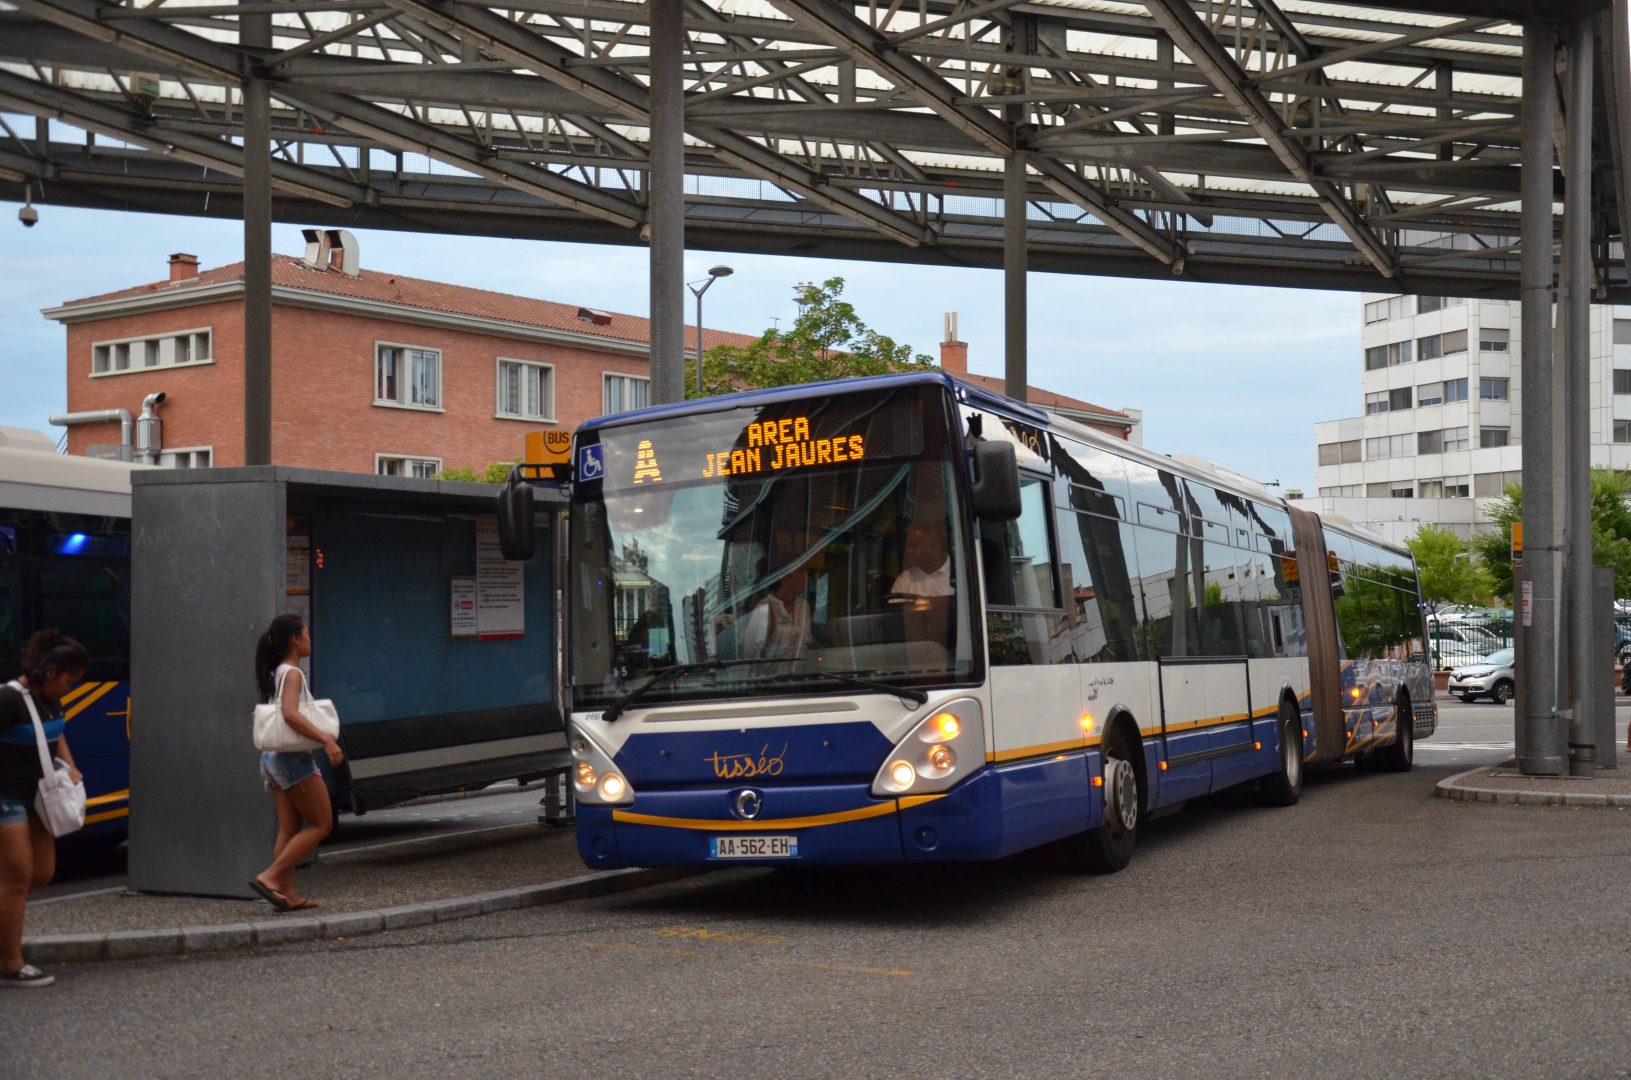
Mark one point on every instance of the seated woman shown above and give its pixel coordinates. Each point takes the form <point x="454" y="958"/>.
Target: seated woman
<point x="780" y="625"/>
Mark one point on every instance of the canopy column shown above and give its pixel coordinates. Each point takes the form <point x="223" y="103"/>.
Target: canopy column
<point x="665" y="221"/>
<point x="255" y="30"/>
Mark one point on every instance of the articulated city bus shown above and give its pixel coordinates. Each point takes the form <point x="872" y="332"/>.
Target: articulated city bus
<point x="65" y="563"/>
<point x="903" y="619"/>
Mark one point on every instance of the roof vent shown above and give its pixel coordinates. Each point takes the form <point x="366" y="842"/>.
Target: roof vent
<point x="332" y="249"/>
<point x="595" y="316"/>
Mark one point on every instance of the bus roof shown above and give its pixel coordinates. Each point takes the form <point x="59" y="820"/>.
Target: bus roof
<point x="965" y="391"/>
<point x="33" y="479"/>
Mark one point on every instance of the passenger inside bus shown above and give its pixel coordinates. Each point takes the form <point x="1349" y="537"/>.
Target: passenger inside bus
<point x="779" y="626"/>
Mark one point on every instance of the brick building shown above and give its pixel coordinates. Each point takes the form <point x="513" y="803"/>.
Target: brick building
<point x="372" y="371"/>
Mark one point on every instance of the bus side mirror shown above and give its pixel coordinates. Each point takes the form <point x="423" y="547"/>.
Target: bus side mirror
<point x="995" y="492"/>
<point x="515" y="530"/>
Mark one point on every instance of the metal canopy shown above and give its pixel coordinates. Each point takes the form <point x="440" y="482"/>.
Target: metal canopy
<point x="1278" y="142"/>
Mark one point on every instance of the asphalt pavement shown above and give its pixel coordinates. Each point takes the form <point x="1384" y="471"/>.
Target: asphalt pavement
<point x="1371" y="930"/>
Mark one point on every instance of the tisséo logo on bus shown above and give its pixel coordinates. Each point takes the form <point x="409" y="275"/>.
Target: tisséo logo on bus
<point x="591" y="462"/>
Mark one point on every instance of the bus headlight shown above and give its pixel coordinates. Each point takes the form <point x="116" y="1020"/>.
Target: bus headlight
<point x="596" y="779"/>
<point x="940" y="750"/>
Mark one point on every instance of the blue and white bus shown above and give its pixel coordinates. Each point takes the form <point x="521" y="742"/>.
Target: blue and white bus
<point x="65" y="563"/>
<point x="902" y="619"/>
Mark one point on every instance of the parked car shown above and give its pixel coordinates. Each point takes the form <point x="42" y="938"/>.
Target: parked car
<point x="1493" y="675"/>
<point x="1456" y="644"/>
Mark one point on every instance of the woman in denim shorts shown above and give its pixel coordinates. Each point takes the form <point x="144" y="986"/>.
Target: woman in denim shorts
<point x="52" y="664"/>
<point x="303" y="813"/>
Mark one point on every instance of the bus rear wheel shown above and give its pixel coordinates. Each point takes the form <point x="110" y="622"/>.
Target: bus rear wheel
<point x="1285" y="787"/>
<point x="1401" y="754"/>
<point x="1109" y="847"/>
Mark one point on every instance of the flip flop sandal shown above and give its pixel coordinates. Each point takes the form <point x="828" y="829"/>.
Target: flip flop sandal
<point x="278" y="901"/>
<point x="304" y="905"/>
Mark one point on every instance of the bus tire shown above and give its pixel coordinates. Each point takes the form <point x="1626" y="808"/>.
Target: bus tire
<point x="1400" y="754"/>
<point x="1109" y="847"/>
<point x="1285" y="786"/>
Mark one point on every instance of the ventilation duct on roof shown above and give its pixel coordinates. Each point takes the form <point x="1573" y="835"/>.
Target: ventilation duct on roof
<point x="332" y="249"/>
<point x="598" y="318"/>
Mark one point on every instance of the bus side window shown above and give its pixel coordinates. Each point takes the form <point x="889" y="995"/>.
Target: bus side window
<point x="1018" y="556"/>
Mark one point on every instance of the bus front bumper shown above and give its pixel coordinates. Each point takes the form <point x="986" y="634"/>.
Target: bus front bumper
<point x="991" y="814"/>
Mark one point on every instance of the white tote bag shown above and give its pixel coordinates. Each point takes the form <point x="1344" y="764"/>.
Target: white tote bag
<point x="273" y="733"/>
<point x="60" y="801"/>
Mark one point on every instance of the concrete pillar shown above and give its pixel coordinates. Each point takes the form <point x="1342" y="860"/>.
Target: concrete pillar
<point x="255" y="31"/>
<point x="666" y="224"/>
<point x="1016" y="378"/>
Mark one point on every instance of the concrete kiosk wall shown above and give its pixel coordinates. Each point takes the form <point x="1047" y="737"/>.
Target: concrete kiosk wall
<point x="212" y="556"/>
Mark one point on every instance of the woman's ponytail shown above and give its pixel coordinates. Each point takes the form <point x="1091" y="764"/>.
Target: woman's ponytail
<point x="51" y="651"/>
<point x="272" y="647"/>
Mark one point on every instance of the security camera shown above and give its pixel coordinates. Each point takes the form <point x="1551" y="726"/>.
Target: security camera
<point x="28" y="216"/>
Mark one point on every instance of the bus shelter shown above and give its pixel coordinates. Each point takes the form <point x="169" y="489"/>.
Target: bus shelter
<point x="440" y="656"/>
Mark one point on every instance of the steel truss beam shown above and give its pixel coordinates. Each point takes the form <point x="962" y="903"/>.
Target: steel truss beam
<point x="1261" y="160"/>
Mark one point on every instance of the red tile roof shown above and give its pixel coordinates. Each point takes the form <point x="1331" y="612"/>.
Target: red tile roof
<point x="383" y="287"/>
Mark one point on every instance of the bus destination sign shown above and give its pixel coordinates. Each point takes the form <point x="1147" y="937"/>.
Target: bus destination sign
<point x="775" y="445"/>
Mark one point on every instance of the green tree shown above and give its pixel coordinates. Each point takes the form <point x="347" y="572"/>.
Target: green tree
<point x="496" y="473"/>
<point x="827" y="341"/>
<point x="1448" y="570"/>
<point x="1610" y="531"/>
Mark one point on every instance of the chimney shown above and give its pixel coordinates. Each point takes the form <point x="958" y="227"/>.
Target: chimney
<point x="183" y="267"/>
<point x="953" y="353"/>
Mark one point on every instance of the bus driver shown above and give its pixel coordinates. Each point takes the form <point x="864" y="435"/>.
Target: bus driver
<point x="927" y="566"/>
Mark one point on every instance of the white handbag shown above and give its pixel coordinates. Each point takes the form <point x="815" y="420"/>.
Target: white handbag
<point x="60" y="801"/>
<point x="273" y="733"/>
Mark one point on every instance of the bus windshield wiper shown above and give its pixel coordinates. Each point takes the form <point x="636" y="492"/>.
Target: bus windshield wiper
<point x="910" y="693"/>
<point x="664" y="674"/>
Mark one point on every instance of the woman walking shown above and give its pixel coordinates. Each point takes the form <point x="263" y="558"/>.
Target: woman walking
<point x="303" y="813"/>
<point x="52" y="664"/>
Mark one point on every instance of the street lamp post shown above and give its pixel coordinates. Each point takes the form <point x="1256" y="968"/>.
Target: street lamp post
<point x="697" y="289"/>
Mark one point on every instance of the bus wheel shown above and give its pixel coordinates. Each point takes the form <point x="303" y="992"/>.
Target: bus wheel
<point x="1399" y="756"/>
<point x="1109" y="847"/>
<point x="1285" y="787"/>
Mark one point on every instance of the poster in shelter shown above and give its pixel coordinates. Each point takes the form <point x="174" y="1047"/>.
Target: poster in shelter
<point x="500" y="587"/>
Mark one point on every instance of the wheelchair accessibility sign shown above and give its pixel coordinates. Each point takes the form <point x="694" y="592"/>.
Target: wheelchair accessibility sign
<point x="591" y="462"/>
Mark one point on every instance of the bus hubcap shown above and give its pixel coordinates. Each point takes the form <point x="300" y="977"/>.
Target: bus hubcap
<point x="1121" y="799"/>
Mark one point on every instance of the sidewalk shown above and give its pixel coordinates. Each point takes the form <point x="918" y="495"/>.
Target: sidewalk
<point x="1504" y="784"/>
<point x="439" y="879"/>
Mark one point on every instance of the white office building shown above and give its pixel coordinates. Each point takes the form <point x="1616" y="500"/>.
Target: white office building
<point x="1441" y="433"/>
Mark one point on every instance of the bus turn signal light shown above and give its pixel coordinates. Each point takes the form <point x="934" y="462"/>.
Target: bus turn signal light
<point x="947" y="725"/>
<point x="1087" y="723"/>
<point x="1098" y="781"/>
<point x="586" y="774"/>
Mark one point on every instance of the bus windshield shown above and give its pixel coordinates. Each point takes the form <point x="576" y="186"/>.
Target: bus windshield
<point x="770" y="547"/>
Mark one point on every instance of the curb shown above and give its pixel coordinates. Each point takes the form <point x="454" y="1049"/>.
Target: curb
<point x="1448" y="789"/>
<point x="196" y="940"/>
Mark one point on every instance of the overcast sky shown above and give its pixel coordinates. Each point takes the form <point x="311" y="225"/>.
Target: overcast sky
<point x="1233" y="374"/>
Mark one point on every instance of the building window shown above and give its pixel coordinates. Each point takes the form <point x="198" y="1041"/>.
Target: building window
<point x="620" y="393"/>
<point x="1493" y="485"/>
<point x="1431" y="489"/>
<point x="1455" y="390"/>
<point x="1381" y="356"/>
<point x="1378" y="491"/>
<point x="1342" y="491"/>
<point x="1622" y="431"/>
<point x="1393" y="307"/>
<point x="1453" y="341"/>
<point x="1401" y="493"/>
<point x="1387" y="446"/>
<point x="1493" y="436"/>
<point x="1622" y="381"/>
<point x="1492" y="389"/>
<point x="187" y="457"/>
<point x="182" y="349"/>
<point x="1492" y="340"/>
<point x="1376" y="402"/>
<point x="404" y="375"/>
<point x="1429" y="442"/>
<point x="1622" y="331"/>
<point x="1430" y="348"/>
<point x="1429" y="394"/>
<point x="1398" y="399"/>
<point x="1456" y="487"/>
<point x="1438" y="303"/>
<point x="401" y="465"/>
<point x="1456" y="438"/>
<point x="526" y="390"/>
<point x="1329" y="452"/>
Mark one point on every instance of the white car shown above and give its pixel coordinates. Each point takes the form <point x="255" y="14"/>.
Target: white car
<point x="1493" y="675"/>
